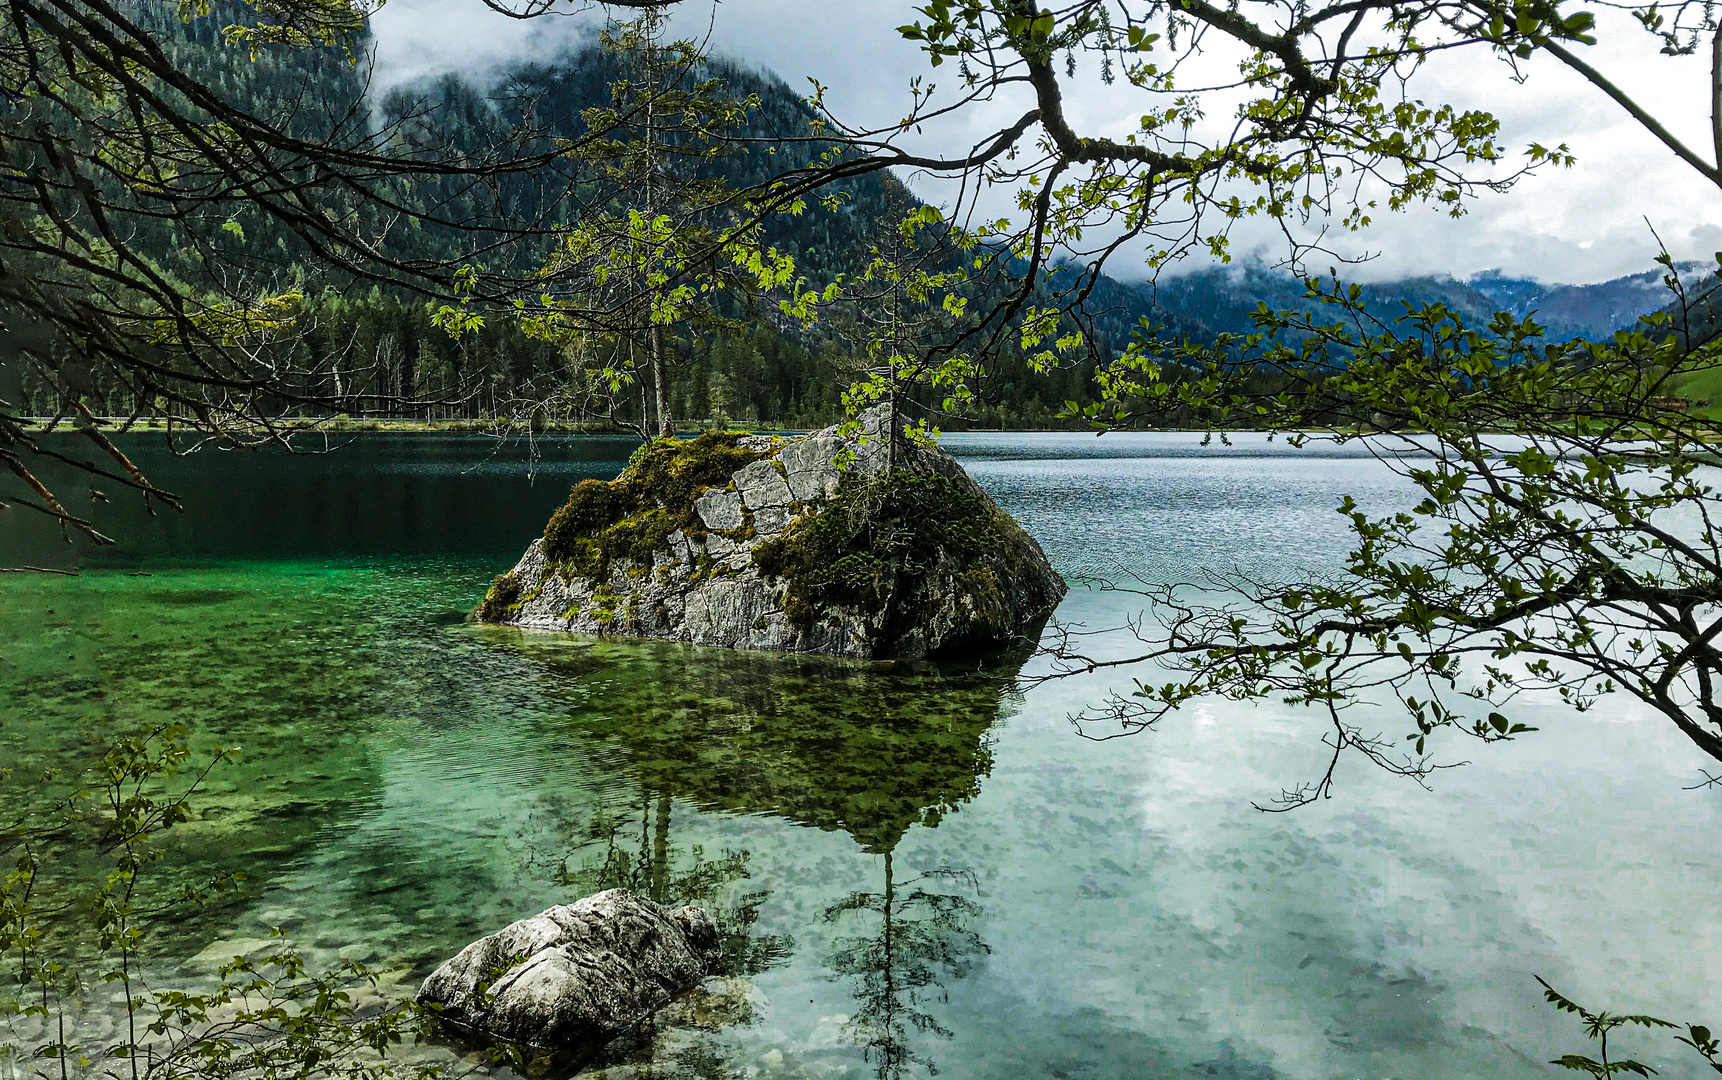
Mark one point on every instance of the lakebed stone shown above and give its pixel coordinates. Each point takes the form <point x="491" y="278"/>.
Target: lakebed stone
<point x="863" y="544"/>
<point x="572" y="978"/>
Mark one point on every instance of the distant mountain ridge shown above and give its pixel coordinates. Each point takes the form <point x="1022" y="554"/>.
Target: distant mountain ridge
<point x="1220" y="299"/>
<point x="1593" y="311"/>
<point x="1199" y="304"/>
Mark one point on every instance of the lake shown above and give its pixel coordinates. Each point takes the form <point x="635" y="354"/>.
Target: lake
<point x="916" y="867"/>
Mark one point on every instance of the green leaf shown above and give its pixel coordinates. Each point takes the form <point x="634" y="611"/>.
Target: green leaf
<point x="1558" y="1000"/>
<point x="1646" y="1021"/>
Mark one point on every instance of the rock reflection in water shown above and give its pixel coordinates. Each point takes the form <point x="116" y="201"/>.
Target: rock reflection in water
<point x="869" y="750"/>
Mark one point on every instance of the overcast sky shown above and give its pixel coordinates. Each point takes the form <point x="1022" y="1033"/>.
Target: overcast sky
<point x="1579" y="225"/>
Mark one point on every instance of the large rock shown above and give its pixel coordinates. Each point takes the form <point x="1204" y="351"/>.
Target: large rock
<point x="864" y="545"/>
<point x="569" y="980"/>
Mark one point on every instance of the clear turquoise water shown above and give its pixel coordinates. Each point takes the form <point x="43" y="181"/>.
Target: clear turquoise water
<point x="1057" y="907"/>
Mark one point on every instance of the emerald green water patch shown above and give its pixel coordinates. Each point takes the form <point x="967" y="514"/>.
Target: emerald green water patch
<point x="884" y="847"/>
<point x="279" y="662"/>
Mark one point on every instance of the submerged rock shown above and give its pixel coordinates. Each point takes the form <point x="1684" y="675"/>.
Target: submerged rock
<point x="573" y="978"/>
<point x="866" y="546"/>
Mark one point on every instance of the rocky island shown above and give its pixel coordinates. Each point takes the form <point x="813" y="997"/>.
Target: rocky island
<point x="864" y="544"/>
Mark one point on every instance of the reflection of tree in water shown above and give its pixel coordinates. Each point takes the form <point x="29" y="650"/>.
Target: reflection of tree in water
<point x="651" y="867"/>
<point x="921" y="936"/>
<point x="869" y="750"/>
<point x="632" y="848"/>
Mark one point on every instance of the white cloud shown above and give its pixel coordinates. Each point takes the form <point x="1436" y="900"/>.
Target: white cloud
<point x="424" y="39"/>
<point x="1583" y="224"/>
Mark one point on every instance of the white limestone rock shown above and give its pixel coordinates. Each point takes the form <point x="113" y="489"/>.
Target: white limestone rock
<point x="720" y="510"/>
<point x="761" y="486"/>
<point x="572" y="978"/>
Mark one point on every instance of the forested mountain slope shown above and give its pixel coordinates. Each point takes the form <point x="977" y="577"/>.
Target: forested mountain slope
<point x="376" y="343"/>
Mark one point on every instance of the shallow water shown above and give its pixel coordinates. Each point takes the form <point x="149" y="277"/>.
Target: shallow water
<point x="1057" y="907"/>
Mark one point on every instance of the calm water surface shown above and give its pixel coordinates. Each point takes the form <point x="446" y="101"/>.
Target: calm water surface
<point x="917" y="868"/>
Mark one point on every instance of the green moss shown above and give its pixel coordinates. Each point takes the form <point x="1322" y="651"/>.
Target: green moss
<point x="582" y="556"/>
<point x="604" y="601"/>
<point x="611" y="610"/>
<point x="743" y="534"/>
<point x="869" y="545"/>
<point x="635" y="538"/>
<point x="673" y="472"/>
<point x="501" y="599"/>
<point x="632" y="516"/>
<point x="591" y="506"/>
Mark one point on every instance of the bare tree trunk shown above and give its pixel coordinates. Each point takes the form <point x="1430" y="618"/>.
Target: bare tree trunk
<point x="891" y="433"/>
<point x="896" y="352"/>
<point x="661" y="382"/>
<point x="645" y="408"/>
<point x="660" y="385"/>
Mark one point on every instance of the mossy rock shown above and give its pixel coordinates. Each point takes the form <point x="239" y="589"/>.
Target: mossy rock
<point x="906" y="546"/>
<point x="876" y="539"/>
<point x="629" y="518"/>
<point x="503" y="594"/>
<point x="844" y="543"/>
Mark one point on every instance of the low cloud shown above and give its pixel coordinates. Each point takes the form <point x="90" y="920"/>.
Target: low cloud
<point x="1582" y="224"/>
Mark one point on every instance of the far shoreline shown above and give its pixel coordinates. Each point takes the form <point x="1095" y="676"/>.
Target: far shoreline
<point x="301" y="426"/>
